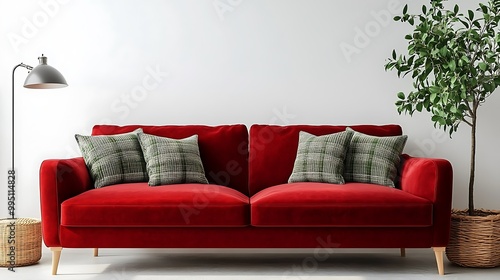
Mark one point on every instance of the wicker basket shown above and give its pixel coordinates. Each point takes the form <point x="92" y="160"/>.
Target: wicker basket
<point x="27" y="234"/>
<point x="474" y="240"/>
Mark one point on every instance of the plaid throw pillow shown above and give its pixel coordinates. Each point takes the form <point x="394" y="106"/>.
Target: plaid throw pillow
<point x="372" y="159"/>
<point x="320" y="158"/>
<point x="172" y="161"/>
<point x="113" y="159"/>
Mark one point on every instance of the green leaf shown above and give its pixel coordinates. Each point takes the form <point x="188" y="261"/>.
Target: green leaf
<point x="445" y="96"/>
<point x="411" y="48"/>
<point x="490" y="59"/>
<point x="497" y="81"/>
<point x="488" y="87"/>
<point x="453" y="109"/>
<point x="424" y="9"/>
<point x="452" y="65"/>
<point x="482" y="66"/>
<point x="455" y="9"/>
<point x="476" y="24"/>
<point x="393" y="54"/>
<point x="433" y="97"/>
<point x="425" y="37"/>
<point x="434" y="89"/>
<point x="473" y="71"/>
<point x="484" y="8"/>
<point x="410" y="60"/>
<point x="401" y="95"/>
<point x="427" y="104"/>
<point x="464" y="23"/>
<point x="471" y="14"/>
<point x="443" y="51"/>
<point x="453" y="80"/>
<point x="397" y="18"/>
<point x="419" y="107"/>
<point x="405" y="9"/>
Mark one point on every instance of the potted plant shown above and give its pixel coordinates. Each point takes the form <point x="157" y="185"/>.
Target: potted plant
<point x="453" y="59"/>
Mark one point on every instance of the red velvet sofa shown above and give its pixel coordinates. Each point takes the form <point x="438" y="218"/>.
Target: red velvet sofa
<point x="248" y="203"/>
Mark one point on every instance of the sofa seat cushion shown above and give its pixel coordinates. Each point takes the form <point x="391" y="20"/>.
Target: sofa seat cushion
<point x="138" y="205"/>
<point x="328" y="205"/>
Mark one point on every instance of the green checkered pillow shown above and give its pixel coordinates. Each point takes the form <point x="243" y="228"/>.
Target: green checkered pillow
<point x="172" y="161"/>
<point x="320" y="158"/>
<point x="113" y="159"/>
<point x="372" y="159"/>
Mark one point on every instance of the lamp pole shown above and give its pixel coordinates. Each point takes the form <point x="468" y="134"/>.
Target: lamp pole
<point x="12" y="172"/>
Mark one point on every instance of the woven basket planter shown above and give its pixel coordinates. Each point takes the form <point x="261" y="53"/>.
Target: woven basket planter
<point x="474" y="240"/>
<point x="27" y="234"/>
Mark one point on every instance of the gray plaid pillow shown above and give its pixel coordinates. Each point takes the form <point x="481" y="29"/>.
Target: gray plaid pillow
<point x="113" y="159"/>
<point x="320" y="158"/>
<point x="372" y="159"/>
<point x="172" y="161"/>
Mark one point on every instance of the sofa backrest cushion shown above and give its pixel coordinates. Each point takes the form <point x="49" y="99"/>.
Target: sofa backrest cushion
<point x="273" y="149"/>
<point x="223" y="149"/>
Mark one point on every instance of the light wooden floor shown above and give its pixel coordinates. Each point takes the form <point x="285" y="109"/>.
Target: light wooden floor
<point x="142" y="264"/>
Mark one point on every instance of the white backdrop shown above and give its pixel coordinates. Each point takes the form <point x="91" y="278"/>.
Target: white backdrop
<point x="215" y="62"/>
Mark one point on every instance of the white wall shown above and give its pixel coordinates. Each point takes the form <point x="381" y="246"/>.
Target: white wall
<point x="258" y="61"/>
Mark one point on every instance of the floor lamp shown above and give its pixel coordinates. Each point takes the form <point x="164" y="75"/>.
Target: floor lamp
<point x="24" y="234"/>
<point x="42" y="76"/>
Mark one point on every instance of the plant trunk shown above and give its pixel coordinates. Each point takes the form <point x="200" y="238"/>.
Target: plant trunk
<point x="472" y="162"/>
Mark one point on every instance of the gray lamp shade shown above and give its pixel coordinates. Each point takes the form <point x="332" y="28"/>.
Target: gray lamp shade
<point x="45" y="76"/>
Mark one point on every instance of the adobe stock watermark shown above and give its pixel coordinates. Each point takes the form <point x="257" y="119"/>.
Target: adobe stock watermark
<point x="310" y="264"/>
<point x="151" y="81"/>
<point x="427" y="146"/>
<point x="11" y="245"/>
<point x="363" y="36"/>
<point x="124" y="105"/>
<point x="122" y="275"/>
<point x="31" y="26"/>
<point x="11" y="228"/>
<point x="225" y="6"/>
<point x="202" y="199"/>
<point x="11" y="193"/>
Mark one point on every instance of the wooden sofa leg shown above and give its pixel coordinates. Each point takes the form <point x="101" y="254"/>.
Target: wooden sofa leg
<point x="403" y="252"/>
<point x="56" y="255"/>
<point x="439" y="251"/>
<point x="96" y="252"/>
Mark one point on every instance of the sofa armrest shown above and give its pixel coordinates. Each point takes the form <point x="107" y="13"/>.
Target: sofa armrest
<point x="431" y="179"/>
<point x="60" y="179"/>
